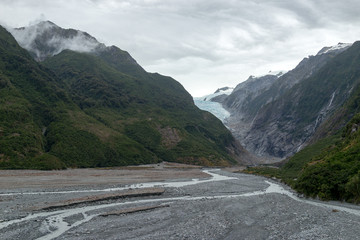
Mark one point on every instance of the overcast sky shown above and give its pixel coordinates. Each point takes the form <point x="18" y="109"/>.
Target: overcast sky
<point x="204" y="44"/>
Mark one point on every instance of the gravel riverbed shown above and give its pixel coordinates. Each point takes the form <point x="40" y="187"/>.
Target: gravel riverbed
<point x="199" y="204"/>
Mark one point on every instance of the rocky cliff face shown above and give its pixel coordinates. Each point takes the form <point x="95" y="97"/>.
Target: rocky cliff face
<point x="244" y="93"/>
<point x="274" y="117"/>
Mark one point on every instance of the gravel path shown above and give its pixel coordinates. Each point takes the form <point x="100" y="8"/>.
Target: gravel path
<point x="222" y="206"/>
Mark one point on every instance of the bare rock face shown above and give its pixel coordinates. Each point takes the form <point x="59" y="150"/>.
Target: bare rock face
<point x="246" y="92"/>
<point x="275" y="115"/>
<point x="170" y="136"/>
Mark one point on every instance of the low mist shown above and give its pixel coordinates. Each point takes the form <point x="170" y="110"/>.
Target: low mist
<point x="52" y="40"/>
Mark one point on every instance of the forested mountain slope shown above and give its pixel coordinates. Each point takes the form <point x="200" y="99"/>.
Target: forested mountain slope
<point x="88" y="109"/>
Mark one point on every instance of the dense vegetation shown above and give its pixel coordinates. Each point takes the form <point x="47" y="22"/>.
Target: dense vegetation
<point x="328" y="169"/>
<point x="97" y="110"/>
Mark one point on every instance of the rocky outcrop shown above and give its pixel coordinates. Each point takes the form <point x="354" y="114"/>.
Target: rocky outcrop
<point x="247" y="91"/>
<point x="275" y="116"/>
<point x="170" y="137"/>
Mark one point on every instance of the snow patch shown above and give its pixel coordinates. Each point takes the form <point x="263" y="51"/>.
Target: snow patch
<point x="226" y="91"/>
<point x="272" y="73"/>
<point x="339" y="46"/>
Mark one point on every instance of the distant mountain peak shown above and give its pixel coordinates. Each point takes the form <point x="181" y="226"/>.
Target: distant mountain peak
<point x="224" y="90"/>
<point x="47" y="23"/>
<point x="42" y="24"/>
<point x="270" y="73"/>
<point x="46" y="39"/>
<point x="220" y="91"/>
<point x="339" y="47"/>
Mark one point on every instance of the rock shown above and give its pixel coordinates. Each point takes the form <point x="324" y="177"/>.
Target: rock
<point x="266" y="112"/>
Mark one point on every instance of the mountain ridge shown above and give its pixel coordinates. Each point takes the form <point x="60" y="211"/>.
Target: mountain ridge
<point x="327" y="166"/>
<point x="251" y="121"/>
<point x="91" y="113"/>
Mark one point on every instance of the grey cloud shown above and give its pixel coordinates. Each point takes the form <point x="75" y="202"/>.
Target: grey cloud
<point x="204" y="41"/>
<point x="79" y="43"/>
<point x="26" y="37"/>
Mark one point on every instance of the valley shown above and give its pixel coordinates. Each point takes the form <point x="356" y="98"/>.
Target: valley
<point x="106" y="131"/>
<point x="305" y="121"/>
<point x="194" y="203"/>
<point x="69" y="109"/>
<point x="275" y="115"/>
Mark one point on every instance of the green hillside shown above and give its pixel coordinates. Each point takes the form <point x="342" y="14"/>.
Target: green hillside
<point x="81" y="110"/>
<point x="328" y="169"/>
<point x="335" y="172"/>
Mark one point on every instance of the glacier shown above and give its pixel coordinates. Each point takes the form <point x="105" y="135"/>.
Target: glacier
<point x="205" y="103"/>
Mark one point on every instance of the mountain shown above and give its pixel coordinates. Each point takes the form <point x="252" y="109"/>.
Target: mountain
<point x="209" y="103"/>
<point x="275" y="116"/>
<point x="46" y="39"/>
<point x="94" y="106"/>
<point x="328" y="167"/>
<point x="331" y="170"/>
<point x="244" y="93"/>
<point x="31" y="99"/>
<point x="219" y="94"/>
<point x="332" y="157"/>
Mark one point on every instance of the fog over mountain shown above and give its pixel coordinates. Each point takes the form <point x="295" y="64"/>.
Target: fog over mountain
<point x="54" y="38"/>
